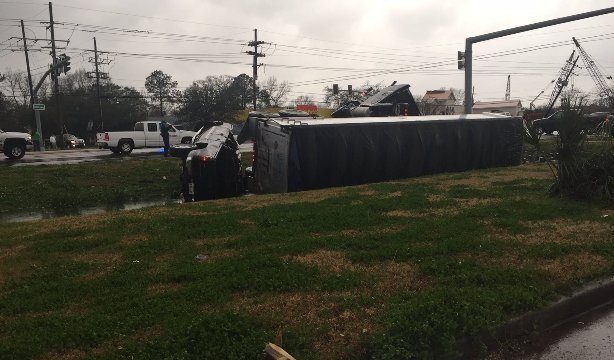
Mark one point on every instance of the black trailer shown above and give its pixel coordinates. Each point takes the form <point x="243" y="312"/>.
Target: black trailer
<point x="304" y="154"/>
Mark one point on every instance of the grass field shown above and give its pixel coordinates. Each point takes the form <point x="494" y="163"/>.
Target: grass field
<point x="43" y="187"/>
<point x="393" y="270"/>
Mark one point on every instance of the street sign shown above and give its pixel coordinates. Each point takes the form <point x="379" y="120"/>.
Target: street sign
<point x="38" y="106"/>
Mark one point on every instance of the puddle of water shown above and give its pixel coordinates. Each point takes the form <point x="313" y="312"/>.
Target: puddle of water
<point x="48" y="214"/>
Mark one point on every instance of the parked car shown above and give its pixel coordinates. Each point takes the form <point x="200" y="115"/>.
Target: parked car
<point x="145" y="134"/>
<point x="71" y="141"/>
<point x="14" y="144"/>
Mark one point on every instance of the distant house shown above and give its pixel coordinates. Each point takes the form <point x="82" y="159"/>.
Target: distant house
<point x="513" y="107"/>
<point x="439" y="97"/>
<point x="439" y="102"/>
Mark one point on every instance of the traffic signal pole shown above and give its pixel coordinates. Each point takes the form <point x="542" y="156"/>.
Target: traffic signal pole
<point x="472" y="40"/>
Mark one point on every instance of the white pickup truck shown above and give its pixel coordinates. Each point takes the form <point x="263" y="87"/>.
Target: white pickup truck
<point x="145" y="134"/>
<point x="14" y="144"/>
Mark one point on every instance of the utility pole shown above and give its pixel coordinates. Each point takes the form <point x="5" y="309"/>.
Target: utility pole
<point x="97" y="74"/>
<point x="507" y="90"/>
<point x="255" y="65"/>
<point x="98" y="86"/>
<point x="32" y="94"/>
<point x="56" y="85"/>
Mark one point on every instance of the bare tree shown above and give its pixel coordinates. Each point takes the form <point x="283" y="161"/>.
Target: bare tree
<point x="304" y="100"/>
<point x="273" y="92"/>
<point x="17" y="84"/>
<point x="358" y="94"/>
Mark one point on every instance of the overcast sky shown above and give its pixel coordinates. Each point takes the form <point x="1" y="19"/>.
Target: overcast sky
<point x="316" y="43"/>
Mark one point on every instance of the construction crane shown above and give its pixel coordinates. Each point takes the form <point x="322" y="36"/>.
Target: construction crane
<point x="562" y="81"/>
<point x="593" y="70"/>
<point x="531" y="106"/>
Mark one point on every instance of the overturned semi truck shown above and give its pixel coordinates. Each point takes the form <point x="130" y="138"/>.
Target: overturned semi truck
<point x="211" y="164"/>
<point x="295" y="154"/>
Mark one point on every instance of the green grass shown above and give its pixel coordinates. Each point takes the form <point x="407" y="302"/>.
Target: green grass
<point x="53" y="187"/>
<point x="381" y="271"/>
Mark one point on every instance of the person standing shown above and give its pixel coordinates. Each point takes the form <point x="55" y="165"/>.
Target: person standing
<point x="164" y="128"/>
<point x="36" y="140"/>
<point x="52" y="141"/>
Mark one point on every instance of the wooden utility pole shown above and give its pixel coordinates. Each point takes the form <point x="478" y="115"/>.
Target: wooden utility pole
<point x="98" y="87"/>
<point x="56" y="85"/>
<point x="255" y="65"/>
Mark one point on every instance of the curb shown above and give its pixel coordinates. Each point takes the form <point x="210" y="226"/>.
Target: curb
<point x="590" y="297"/>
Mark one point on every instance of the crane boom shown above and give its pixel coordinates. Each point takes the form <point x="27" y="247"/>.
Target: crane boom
<point x="593" y="70"/>
<point x="562" y="81"/>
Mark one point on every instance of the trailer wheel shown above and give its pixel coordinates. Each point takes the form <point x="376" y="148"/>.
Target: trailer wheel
<point x="15" y="150"/>
<point x="126" y="147"/>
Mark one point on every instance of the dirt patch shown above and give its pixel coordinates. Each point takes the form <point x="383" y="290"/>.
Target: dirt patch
<point x="393" y="277"/>
<point x="248" y="223"/>
<point x="566" y="232"/>
<point x="137" y="337"/>
<point x="260" y="201"/>
<point x="99" y="258"/>
<point x="134" y="239"/>
<point x="11" y="251"/>
<point x="214" y="255"/>
<point x="475" y="202"/>
<point x="392" y="195"/>
<point x="74" y="354"/>
<point x="339" y="328"/>
<point x="443" y="211"/>
<point x="435" y="197"/>
<point x="162" y="288"/>
<point x="406" y="214"/>
<point x="51" y="226"/>
<point x="390" y="276"/>
<point x="367" y="193"/>
<point x="574" y="267"/>
<point x="561" y="270"/>
<point x="106" y="263"/>
<point x="325" y="260"/>
<point x="486" y="179"/>
<point x="355" y="232"/>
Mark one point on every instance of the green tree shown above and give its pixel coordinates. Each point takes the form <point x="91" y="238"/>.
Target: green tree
<point x="160" y="86"/>
<point x="215" y="98"/>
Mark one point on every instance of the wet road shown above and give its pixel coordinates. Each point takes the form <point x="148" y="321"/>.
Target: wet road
<point x="55" y="157"/>
<point x="588" y="337"/>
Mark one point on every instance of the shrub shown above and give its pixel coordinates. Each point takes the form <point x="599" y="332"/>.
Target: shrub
<point x="582" y="171"/>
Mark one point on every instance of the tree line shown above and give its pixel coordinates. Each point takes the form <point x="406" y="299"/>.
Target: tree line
<point x="213" y="98"/>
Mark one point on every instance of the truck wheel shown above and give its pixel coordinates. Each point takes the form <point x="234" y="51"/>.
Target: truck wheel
<point x="114" y="150"/>
<point x="15" y="150"/>
<point x="125" y="147"/>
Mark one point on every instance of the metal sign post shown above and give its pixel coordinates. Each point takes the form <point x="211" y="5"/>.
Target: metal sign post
<point x="37" y="112"/>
